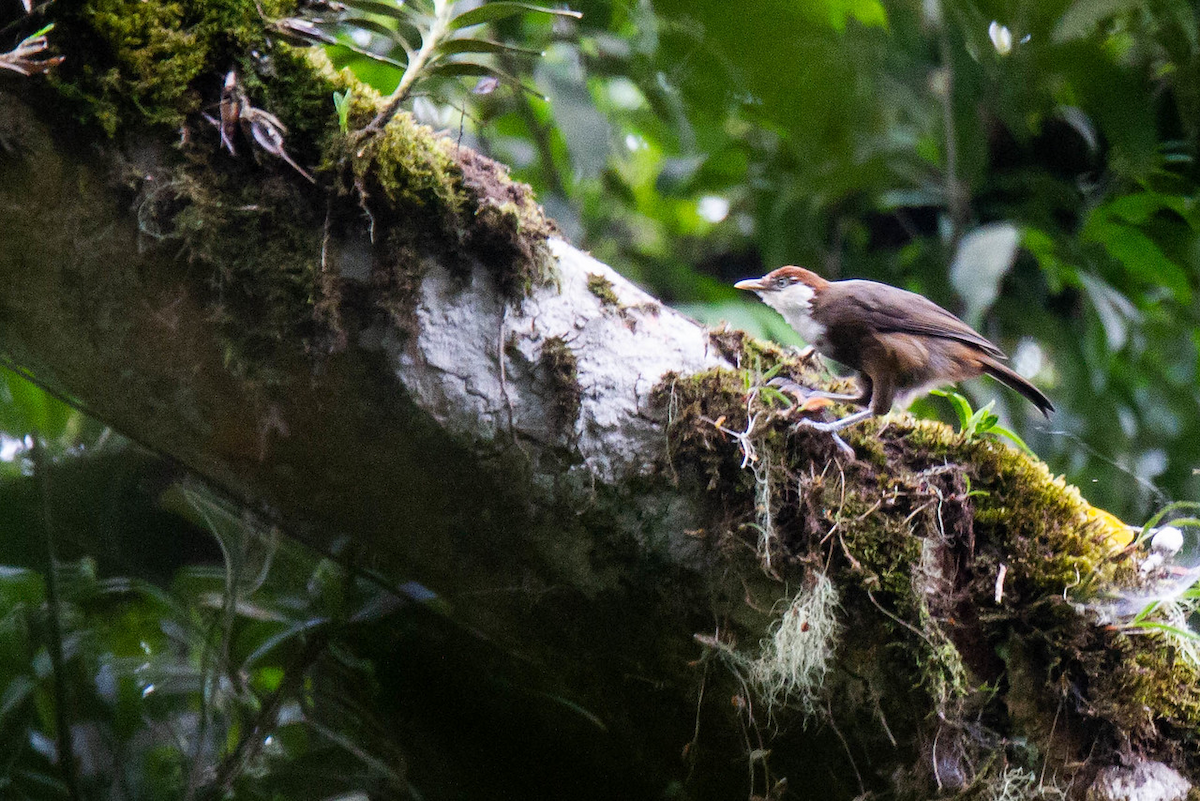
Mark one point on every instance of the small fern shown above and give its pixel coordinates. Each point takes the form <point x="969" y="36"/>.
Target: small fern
<point x="417" y="40"/>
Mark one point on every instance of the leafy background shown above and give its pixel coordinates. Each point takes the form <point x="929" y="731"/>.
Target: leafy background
<point x="1031" y="165"/>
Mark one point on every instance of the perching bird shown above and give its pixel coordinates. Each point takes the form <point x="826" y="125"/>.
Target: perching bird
<point x="901" y="344"/>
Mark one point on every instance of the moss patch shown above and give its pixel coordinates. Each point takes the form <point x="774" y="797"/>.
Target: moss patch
<point x="132" y="62"/>
<point x="916" y="532"/>
<point x="562" y="374"/>
<point x="602" y="288"/>
<point x="248" y="226"/>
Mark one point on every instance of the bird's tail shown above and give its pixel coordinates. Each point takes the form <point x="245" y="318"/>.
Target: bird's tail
<point x="1005" y="375"/>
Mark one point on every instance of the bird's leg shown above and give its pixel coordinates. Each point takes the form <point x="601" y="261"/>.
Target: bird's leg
<point x="785" y="384"/>
<point x="837" y="425"/>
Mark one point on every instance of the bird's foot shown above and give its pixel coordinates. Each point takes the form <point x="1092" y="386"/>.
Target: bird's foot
<point x="832" y="430"/>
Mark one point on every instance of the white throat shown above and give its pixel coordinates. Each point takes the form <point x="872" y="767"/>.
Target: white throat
<point x="794" y="303"/>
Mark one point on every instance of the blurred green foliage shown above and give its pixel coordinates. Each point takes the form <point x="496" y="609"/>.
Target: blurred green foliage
<point x="223" y="671"/>
<point x="1029" y="164"/>
<point x="180" y="648"/>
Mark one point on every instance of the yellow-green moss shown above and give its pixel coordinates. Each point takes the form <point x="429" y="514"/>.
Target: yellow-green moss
<point x="602" y="288"/>
<point x="151" y="60"/>
<point x="411" y="166"/>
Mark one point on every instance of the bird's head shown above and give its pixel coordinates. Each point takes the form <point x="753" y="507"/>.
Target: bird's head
<point x="788" y="290"/>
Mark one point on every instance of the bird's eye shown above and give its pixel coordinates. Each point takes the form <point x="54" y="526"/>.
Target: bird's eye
<point x="782" y="281"/>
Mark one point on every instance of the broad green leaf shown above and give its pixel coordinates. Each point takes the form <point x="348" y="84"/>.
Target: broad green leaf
<point x="962" y="407"/>
<point x="984" y="257"/>
<point x="491" y="12"/>
<point x="869" y="13"/>
<point x="1140" y="255"/>
<point x="1140" y="207"/>
<point x="27" y="409"/>
<point x="378" y="72"/>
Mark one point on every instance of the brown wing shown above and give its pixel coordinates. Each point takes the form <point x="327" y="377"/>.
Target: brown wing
<point x="888" y="309"/>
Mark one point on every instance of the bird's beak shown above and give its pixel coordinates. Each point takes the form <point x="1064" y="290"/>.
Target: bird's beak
<point x="750" y="284"/>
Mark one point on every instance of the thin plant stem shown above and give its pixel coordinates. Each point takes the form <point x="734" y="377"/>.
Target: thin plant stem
<point x="62" y="722"/>
<point x="955" y="200"/>
<point x="416" y="64"/>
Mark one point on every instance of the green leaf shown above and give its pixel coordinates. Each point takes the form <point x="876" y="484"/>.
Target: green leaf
<point x="1162" y="513"/>
<point x="468" y="45"/>
<point x="772" y="395"/>
<point x="469" y="69"/>
<point x="391" y="62"/>
<point x="774" y="371"/>
<point x="1167" y="628"/>
<point x="341" y="105"/>
<point x="394" y="10"/>
<point x="398" y="35"/>
<point x="462" y="69"/>
<point x="26" y="408"/>
<point x="1009" y="434"/>
<point x="275" y="640"/>
<point x="869" y="13"/>
<point x="981" y="421"/>
<point x="491" y="12"/>
<point x="962" y="406"/>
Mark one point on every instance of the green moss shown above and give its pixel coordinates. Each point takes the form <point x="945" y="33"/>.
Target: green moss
<point x="562" y="373"/>
<point x="410" y="166"/>
<point x="602" y="288"/>
<point x="916" y="531"/>
<point x="151" y="61"/>
<point x="1147" y="683"/>
<point x="249" y="218"/>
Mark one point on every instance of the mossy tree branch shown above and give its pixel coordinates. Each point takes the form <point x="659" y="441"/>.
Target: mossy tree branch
<point x="403" y="356"/>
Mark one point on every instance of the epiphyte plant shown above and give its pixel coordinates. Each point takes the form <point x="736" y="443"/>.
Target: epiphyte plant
<point x="418" y="39"/>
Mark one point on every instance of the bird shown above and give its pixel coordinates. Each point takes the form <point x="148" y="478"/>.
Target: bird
<point x="900" y="343"/>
